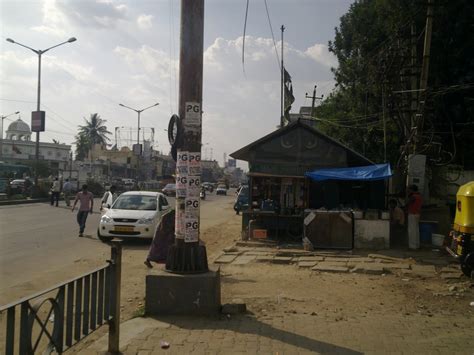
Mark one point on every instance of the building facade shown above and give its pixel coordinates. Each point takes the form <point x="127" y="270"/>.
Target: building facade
<point x="18" y="148"/>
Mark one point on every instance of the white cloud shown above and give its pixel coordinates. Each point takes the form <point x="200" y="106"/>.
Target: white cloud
<point x="145" y="22"/>
<point x="320" y="53"/>
<point x="54" y="21"/>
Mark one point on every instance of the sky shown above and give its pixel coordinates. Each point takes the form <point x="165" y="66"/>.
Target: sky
<point x="127" y="52"/>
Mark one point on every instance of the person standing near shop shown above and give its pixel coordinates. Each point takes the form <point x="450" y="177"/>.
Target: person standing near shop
<point x="414" y="208"/>
<point x="86" y="206"/>
<point x="67" y="190"/>
<point x="109" y="198"/>
<point x="55" y="190"/>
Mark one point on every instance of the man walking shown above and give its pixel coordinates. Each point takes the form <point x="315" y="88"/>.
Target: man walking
<point x="67" y="190"/>
<point x="109" y="198"/>
<point x="414" y="208"/>
<point x="87" y="204"/>
<point x="55" y="190"/>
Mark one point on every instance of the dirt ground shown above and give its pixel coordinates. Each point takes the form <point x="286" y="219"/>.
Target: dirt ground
<point x="300" y="298"/>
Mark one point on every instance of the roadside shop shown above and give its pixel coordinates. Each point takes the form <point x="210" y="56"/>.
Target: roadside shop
<point x="281" y="195"/>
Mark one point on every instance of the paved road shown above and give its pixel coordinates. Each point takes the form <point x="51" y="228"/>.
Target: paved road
<point x="39" y="246"/>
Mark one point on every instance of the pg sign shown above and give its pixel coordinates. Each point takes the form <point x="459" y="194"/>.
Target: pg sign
<point x="192" y="113"/>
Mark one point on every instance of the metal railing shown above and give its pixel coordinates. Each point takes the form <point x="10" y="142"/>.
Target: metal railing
<point x="55" y="319"/>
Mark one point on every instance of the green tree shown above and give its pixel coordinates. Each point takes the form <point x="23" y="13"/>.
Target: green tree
<point x="373" y="45"/>
<point x="82" y="147"/>
<point x="93" y="132"/>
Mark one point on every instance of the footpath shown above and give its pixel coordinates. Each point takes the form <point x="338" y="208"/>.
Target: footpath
<point x="307" y="303"/>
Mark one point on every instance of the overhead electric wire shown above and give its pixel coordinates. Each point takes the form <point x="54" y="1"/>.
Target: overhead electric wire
<point x="243" y="39"/>
<point x="273" y="37"/>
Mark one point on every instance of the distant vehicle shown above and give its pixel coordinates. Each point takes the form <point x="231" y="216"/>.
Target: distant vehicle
<point x="242" y="200"/>
<point x="208" y="186"/>
<point x="221" y="190"/>
<point x="18" y="186"/>
<point x="169" y="190"/>
<point x="134" y="214"/>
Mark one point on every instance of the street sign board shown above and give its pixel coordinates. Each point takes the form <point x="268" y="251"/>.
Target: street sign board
<point x="38" y="119"/>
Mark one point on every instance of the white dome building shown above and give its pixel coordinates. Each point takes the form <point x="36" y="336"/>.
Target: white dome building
<point x="19" y="131"/>
<point x="18" y="148"/>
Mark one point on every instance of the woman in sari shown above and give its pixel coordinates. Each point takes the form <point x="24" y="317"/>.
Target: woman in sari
<point x="164" y="237"/>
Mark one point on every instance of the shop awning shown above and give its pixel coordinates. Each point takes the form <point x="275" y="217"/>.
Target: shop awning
<point x="365" y="173"/>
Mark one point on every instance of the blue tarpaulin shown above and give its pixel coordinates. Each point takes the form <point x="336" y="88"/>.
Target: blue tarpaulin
<point x="367" y="173"/>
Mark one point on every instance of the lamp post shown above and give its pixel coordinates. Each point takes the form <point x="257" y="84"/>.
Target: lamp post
<point x="138" y="133"/>
<point x="1" y="140"/>
<point x="39" y="52"/>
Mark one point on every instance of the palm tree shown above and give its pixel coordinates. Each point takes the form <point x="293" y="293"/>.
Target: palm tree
<point x="95" y="130"/>
<point x="82" y="147"/>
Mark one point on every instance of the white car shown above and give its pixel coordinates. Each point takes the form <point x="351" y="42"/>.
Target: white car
<point x="134" y="214"/>
<point x="221" y="190"/>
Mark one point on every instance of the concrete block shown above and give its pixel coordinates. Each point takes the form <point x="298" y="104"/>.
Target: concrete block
<point x="423" y="268"/>
<point x="225" y="259"/>
<point x="391" y="267"/>
<point x="330" y="267"/>
<point x="330" y="259"/>
<point x="311" y="258"/>
<point x="182" y="294"/>
<point x="451" y="275"/>
<point x="282" y="260"/>
<point x="371" y="234"/>
<point x="243" y="259"/>
<point x="386" y="257"/>
<point x="306" y="264"/>
<point x="264" y="259"/>
<point x="369" y="268"/>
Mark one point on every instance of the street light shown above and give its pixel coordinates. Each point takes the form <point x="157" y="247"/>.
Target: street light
<point x="139" y="112"/>
<point x="1" y="140"/>
<point x="39" y="52"/>
<point x="138" y="133"/>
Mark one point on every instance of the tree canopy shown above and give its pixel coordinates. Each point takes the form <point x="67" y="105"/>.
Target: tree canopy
<point x="92" y="132"/>
<point x="379" y="47"/>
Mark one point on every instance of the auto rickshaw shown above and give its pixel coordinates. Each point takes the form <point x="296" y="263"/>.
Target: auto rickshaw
<point x="462" y="242"/>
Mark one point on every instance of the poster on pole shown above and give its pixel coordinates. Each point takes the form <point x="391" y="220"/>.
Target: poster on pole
<point x="194" y="186"/>
<point x="181" y="174"/>
<point x="192" y="114"/>
<point x="192" y="207"/>
<point x="194" y="163"/>
<point x="180" y="229"/>
<point x="192" y="230"/>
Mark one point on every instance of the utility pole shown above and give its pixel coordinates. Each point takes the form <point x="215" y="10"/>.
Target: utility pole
<point x="282" y="93"/>
<point x="313" y="98"/>
<point x="425" y="65"/>
<point x="187" y="255"/>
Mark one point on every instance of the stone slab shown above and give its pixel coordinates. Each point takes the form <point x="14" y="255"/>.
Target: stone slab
<point x="395" y="267"/>
<point x="386" y="257"/>
<point x="369" y="268"/>
<point x="282" y="260"/>
<point x="330" y="267"/>
<point x="306" y="264"/>
<point x="332" y="259"/>
<point x="225" y="259"/>
<point x="243" y="259"/>
<point x="182" y="294"/>
<point x="311" y="258"/>
<point x="264" y="259"/>
<point x="451" y="275"/>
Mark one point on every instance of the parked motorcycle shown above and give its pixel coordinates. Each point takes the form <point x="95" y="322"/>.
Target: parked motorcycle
<point x="202" y="194"/>
<point x="462" y="235"/>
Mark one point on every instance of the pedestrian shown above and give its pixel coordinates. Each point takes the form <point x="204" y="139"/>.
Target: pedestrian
<point x="163" y="238"/>
<point x="109" y="197"/>
<point x="397" y="216"/>
<point x="87" y="204"/>
<point x="55" y="190"/>
<point x="67" y="191"/>
<point x="413" y="206"/>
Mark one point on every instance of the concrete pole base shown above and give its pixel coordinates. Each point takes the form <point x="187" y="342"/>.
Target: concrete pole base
<point x="182" y="294"/>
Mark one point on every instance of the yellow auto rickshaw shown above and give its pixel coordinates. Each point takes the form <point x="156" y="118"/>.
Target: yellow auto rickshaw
<point x="462" y="242"/>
